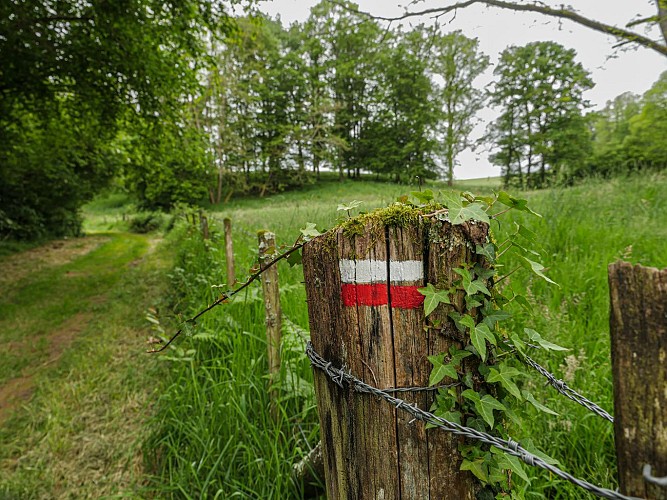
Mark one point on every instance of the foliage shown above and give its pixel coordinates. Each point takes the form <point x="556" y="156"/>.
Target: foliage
<point x="72" y="74"/>
<point x="541" y="131"/>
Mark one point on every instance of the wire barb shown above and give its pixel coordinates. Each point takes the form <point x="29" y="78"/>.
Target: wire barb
<point x="509" y="446"/>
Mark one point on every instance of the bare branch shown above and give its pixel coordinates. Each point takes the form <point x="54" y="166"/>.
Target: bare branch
<point x="561" y="13"/>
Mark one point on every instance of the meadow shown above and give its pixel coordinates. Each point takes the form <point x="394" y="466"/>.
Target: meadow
<point x="213" y="435"/>
<point x="102" y="418"/>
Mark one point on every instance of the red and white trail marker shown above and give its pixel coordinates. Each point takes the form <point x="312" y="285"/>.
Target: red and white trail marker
<point x="378" y="282"/>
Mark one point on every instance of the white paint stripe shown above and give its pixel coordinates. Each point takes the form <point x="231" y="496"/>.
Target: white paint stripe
<point x="375" y="271"/>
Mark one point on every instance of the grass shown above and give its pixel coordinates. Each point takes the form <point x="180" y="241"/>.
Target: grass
<point x="77" y="383"/>
<point x="214" y="436"/>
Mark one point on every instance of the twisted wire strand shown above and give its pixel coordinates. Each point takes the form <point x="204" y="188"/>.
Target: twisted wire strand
<point x="509" y="446"/>
<point x="567" y="391"/>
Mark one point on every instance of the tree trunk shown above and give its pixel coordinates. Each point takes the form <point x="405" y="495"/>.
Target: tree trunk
<point x="638" y="325"/>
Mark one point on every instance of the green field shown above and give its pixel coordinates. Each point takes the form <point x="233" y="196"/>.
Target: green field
<point x="199" y="423"/>
<point x="217" y="401"/>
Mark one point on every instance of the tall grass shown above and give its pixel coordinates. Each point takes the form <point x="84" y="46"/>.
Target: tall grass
<point x="213" y="434"/>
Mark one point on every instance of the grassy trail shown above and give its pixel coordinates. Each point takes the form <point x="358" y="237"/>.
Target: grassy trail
<point x="75" y="383"/>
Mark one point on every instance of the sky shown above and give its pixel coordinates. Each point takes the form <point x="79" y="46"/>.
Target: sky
<point x="613" y="70"/>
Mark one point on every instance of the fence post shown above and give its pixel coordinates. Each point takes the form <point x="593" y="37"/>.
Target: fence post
<point x="229" y="252"/>
<point x="638" y="327"/>
<point x="267" y="251"/>
<point x="366" y="316"/>
<point x="203" y="222"/>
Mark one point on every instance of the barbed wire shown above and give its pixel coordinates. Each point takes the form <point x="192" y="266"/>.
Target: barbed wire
<point x="567" y="391"/>
<point x="509" y="446"/>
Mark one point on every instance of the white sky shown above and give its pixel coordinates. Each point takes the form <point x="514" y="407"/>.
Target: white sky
<point x="613" y="71"/>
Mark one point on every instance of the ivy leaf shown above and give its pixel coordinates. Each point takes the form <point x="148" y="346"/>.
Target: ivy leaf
<point x="452" y="416"/>
<point x="479" y="335"/>
<point x="433" y="297"/>
<point x="458" y="355"/>
<point x="526" y="233"/>
<point x="488" y="251"/>
<point x="440" y="370"/>
<point x="510" y="462"/>
<point x="544" y="344"/>
<point x="531" y="399"/>
<point x="536" y="268"/>
<point x="347" y="207"/>
<point x="309" y="232"/>
<point x="424" y="197"/>
<point x="505" y="375"/>
<point x="472" y="302"/>
<point x="458" y="213"/>
<point x="516" y="203"/>
<point x="294" y="258"/>
<point x="530" y="446"/>
<point x="478" y="468"/>
<point x="471" y="286"/>
<point x="492" y="316"/>
<point x="484" y="272"/>
<point x="519" y="344"/>
<point x="484" y="405"/>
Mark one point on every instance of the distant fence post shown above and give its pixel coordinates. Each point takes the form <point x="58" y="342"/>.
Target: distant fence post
<point x="267" y="251"/>
<point x="229" y="252"/>
<point x="367" y="316"/>
<point x="638" y="326"/>
<point x="203" y="222"/>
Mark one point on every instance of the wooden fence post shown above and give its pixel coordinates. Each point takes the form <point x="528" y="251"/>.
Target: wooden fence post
<point x="367" y="316"/>
<point x="267" y="251"/>
<point x="638" y="326"/>
<point x="229" y="252"/>
<point x="203" y="223"/>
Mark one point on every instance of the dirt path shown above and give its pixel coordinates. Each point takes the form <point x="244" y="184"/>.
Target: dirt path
<point x="74" y="383"/>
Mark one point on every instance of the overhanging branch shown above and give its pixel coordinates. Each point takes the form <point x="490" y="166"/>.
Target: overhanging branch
<point x="561" y="13"/>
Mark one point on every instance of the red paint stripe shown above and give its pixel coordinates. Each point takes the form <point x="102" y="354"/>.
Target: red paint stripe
<point x="406" y="297"/>
<point x="365" y="295"/>
<point x="402" y="297"/>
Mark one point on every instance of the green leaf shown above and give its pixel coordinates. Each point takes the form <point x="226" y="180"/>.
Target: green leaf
<point x="457" y="355"/>
<point x="424" y="197"/>
<point x="484" y="272"/>
<point x="478" y="468"/>
<point x="440" y="370"/>
<point x="478" y="335"/>
<point x="516" y="203"/>
<point x="492" y="316"/>
<point x="309" y="232"/>
<point x="544" y="344"/>
<point x="536" y="268"/>
<point x="505" y="375"/>
<point x="531" y="399"/>
<point x="469" y="285"/>
<point x="530" y="446"/>
<point x="510" y="462"/>
<point x="452" y="416"/>
<point x="460" y="213"/>
<point x="488" y="251"/>
<point x="343" y="207"/>
<point x="295" y="258"/>
<point x="484" y="405"/>
<point x="472" y="302"/>
<point x="433" y="297"/>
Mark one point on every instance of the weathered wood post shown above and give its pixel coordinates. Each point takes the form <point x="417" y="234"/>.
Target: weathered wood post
<point x="203" y="223"/>
<point x="638" y="326"/>
<point x="229" y="252"/>
<point x="271" y="289"/>
<point x="366" y="315"/>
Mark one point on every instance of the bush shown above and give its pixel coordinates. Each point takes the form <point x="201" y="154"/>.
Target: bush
<point x="147" y="222"/>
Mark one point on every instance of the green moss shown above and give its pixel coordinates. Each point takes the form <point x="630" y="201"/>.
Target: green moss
<point x="395" y="215"/>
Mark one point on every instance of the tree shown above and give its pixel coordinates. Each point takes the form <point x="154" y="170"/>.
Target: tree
<point x="626" y="35"/>
<point x="82" y="71"/>
<point x="457" y="62"/>
<point x="541" y="127"/>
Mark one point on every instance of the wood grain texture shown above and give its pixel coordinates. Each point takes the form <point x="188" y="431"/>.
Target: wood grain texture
<point x="638" y="325"/>
<point x="370" y="449"/>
